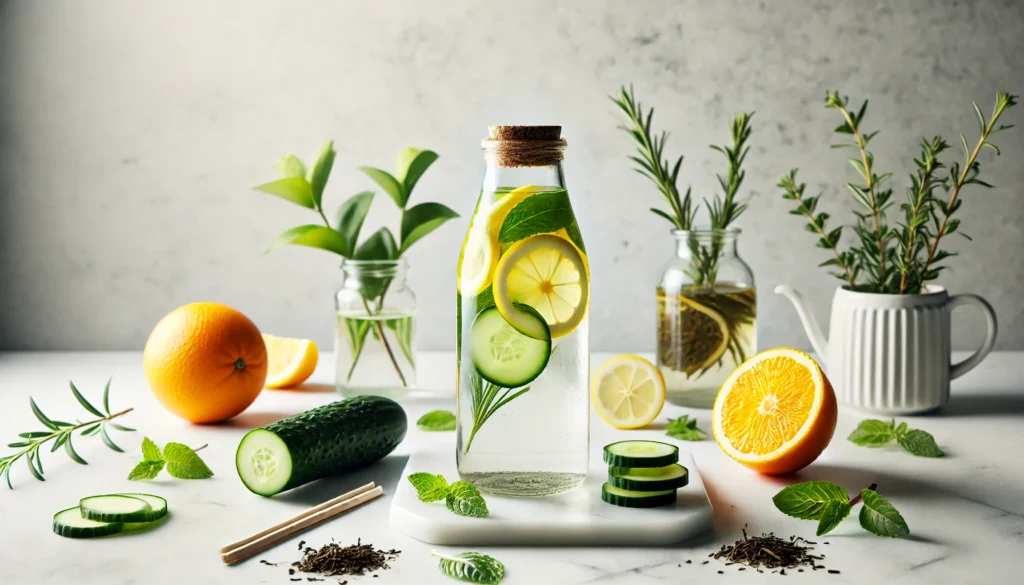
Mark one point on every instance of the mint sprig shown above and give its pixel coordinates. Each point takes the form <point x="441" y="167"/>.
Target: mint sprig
<point x="685" y="428"/>
<point x="829" y="504"/>
<point x="876" y="433"/>
<point x="461" y="497"/>
<point x="181" y="461"/>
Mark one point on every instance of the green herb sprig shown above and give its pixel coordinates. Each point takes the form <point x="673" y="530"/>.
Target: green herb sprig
<point x="305" y="187"/>
<point x="486" y="399"/>
<point x="61" y="432"/>
<point x="878" y="433"/>
<point x="180" y="460"/>
<point x="685" y="428"/>
<point x="899" y="259"/>
<point x="437" y="420"/>
<point x="460" y="498"/>
<point x="652" y="163"/>
<point x="829" y="504"/>
<point x="473" y="567"/>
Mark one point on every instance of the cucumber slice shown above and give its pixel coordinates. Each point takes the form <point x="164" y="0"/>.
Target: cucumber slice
<point x="640" y="454"/>
<point x="72" y="524"/>
<point x="158" y="504"/>
<point x="632" y="499"/>
<point x="648" y="479"/>
<point x="115" y="508"/>
<point x="504" y="356"/>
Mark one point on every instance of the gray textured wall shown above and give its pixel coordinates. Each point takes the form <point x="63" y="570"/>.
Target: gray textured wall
<point x="131" y="131"/>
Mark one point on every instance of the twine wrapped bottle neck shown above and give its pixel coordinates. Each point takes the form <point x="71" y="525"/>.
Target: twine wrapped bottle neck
<point x="524" y="146"/>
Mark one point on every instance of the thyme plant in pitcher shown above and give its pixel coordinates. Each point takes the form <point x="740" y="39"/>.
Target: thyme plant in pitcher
<point x="706" y="300"/>
<point x="375" y="310"/>
<point x="890" y="326"/>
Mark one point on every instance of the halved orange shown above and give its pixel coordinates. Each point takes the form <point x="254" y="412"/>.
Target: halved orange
<point x="776" y="412"/>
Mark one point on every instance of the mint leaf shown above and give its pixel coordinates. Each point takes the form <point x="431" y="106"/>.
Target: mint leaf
<point x="879" y="517"/>
<point x="807" y="500"/>
<point x="150" y="451"/>
<point x="472" y="567"/>
<point x="146" y="470"/>
<point x="183" y="463"/>
<point x="437" y="420"/>
<point x="831" y="515"/>
<point x="901" y="430"/>
<point x="685" y="429"/>
<point x="429" y="487"/>
<point x="465" y="500"/>
<point x="537" y="214"/>
<point x="920" y="443"/>
<point x="872" y="433"/>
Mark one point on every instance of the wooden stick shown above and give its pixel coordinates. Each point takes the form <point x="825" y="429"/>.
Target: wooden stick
<point x="276" y="537"/>
<point x="297" y="517"/>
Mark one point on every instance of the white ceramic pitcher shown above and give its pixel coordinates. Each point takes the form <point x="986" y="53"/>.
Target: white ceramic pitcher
<point x="889" y="354"/>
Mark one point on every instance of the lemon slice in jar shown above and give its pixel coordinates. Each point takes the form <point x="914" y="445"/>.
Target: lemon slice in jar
<point x="547" y="273"/>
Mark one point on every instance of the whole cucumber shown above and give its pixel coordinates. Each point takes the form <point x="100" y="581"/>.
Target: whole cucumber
<point x="331" y="439"/>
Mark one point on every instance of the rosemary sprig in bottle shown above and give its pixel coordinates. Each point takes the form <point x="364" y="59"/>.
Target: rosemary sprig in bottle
<point x="60" y="433"/>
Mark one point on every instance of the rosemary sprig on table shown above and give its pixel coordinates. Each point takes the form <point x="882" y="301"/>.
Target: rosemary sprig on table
<point x="651" y="162"/>
<point x="901" y="259"/>
<point x="60" y="433"/>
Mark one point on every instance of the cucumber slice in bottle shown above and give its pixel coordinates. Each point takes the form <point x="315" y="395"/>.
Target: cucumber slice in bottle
<point x="115" y="508"/>
<point x="640" y="454"/>
<point x="633" y="499"/>
<point x="648" y="479"/>
<point x="72" y="524"/>
<point x="158" y="504"/>
<point x="504" y="356"/>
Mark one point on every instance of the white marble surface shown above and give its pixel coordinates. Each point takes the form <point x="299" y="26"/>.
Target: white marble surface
<point x="966" y="511"/>
<point x="578" y="517"/>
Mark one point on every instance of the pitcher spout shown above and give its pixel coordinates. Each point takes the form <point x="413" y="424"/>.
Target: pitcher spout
<point x="814" y="334"/>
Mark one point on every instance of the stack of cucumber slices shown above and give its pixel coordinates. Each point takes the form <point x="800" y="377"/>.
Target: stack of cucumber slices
<point x="642" y="474"/>
<point x="97" y="516"/>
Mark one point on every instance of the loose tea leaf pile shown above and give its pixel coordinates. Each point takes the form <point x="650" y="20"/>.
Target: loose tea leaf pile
<point x="333" y="559"/>
<point x="771" y="552"/>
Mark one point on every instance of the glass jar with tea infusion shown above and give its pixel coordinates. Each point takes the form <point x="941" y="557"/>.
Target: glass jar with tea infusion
<point x="707" y="311"/>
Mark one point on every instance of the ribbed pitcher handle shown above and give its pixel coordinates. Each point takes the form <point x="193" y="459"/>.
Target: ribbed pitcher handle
<point x="957" y="370"/>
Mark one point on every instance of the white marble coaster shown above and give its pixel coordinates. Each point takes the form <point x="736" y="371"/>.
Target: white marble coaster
<point x="575" y="518"/>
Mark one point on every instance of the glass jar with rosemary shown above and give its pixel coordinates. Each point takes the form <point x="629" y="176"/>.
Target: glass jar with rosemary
<point x="706" y="300"/>
<point x="706" y="318"/>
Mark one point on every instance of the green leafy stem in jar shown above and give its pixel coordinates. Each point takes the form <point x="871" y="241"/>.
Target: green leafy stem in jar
<point x="304" y="186"/>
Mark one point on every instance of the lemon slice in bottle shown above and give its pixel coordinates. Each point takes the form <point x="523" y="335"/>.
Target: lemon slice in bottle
<point x="547" y="273"/>
<point x="707" y="335"/>
<point x="627" y="392"/>
<point x="480" y="250"/>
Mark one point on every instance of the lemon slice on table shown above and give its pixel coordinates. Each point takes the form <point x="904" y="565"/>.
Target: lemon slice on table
<point x="289" y="361"/>
<point x="547" y="273"/>
<point x="627" y="392"/>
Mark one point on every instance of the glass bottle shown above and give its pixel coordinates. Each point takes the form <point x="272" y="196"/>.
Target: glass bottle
<point x="707" y="311"/>
<point x="523" y="403"/>
<point x="375" y="328"/>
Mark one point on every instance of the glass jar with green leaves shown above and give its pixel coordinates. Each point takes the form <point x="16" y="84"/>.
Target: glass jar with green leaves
<point x="706" y="298"/>
<point x="375" y="309"/>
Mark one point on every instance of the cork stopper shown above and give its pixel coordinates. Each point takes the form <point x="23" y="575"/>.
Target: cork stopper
<point x="524" y="146"/>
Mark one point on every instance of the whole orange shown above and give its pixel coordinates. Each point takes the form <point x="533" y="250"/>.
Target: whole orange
<point x="205" y="362"/>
